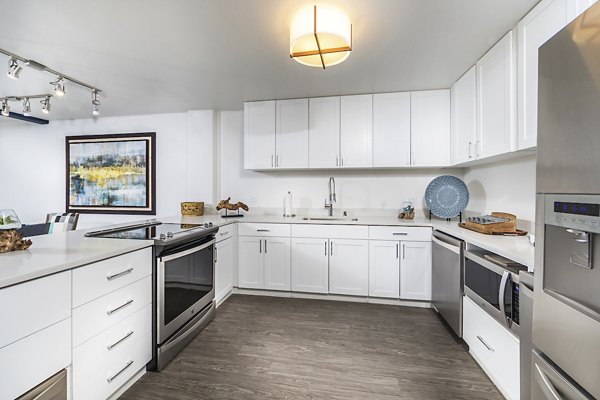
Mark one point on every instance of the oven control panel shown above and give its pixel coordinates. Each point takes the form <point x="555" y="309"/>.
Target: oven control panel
<point x="574" y="211"/>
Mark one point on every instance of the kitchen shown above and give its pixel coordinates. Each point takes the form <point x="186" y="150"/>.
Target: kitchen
<point x="337" y="149"/>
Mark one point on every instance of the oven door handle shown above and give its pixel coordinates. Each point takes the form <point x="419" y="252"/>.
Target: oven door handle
<point x="187" y="252"/>
<point x="506" y="280"/>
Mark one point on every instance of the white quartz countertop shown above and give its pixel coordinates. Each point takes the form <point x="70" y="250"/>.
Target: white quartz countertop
<point x="516" y="248"/>
<point x="50" y="254"/>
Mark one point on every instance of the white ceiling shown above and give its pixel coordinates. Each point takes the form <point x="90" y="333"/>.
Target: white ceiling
<point x="153" y="56"/>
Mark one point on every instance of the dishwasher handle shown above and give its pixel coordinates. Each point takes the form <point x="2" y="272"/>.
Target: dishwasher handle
<point x="447" y="246"/>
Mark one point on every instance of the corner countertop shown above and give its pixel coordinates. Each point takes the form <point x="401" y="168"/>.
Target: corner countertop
<point x="59" y="252"/>
<point x="516" y="248"/>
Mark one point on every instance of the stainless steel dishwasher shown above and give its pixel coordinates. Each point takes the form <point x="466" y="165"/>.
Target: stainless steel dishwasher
<point x="53" y="388"/>
<point x="448" y="278"/>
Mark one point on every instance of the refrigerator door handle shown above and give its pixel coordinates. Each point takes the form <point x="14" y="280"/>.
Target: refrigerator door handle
<point x="545" y="384"/>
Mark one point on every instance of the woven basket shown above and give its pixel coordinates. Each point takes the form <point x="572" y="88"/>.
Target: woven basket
<point x="193" y="208"/>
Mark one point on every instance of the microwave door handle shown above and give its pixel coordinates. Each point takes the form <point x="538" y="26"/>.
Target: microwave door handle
<point x="506" y="279"/>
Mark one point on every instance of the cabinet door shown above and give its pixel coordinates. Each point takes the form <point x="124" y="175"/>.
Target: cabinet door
<point x="415" y="270"/>
<point x="324" y="132"/>
<point x="384" y="268"/>
<point x="391" y="129"/>
<point x="259" y="135"/>
<point x="251" y="274"/>
<point x="310" y="265"/>
<point x="349" y="267"/>
<point x="464" y="117"/>
<point x="430" y="127"/>
<point x="356" y="131"/>
<point x="292" y="133"/>
<point x="277" y="263"/>
<point x="496" y="132"/>
<point x="223" y="269"/>
<point x="545" y="20"/>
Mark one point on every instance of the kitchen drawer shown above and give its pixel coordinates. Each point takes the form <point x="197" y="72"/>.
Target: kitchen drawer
<point x="494" y="347"/>
<point x="32" y="360"/>
<point x="98" y="351"/>
<point x="409" y="233"/>
<point x="32" y="306"/>
<point x="330" y="231"/>
<point x="95" y="316"/>
<point x="96" y="280"/>
<point x="225" y="232"/>
<point x="264" y="230"/>
<point x="128" y="362"/>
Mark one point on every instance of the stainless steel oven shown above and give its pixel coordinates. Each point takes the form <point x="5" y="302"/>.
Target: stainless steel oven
<point x="494" y="288"/>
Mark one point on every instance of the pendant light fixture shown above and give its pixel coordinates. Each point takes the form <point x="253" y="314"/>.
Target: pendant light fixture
<point x="26" y="107"/>
<point x="14" y="69"/>
<point x="59" y="86"/>
<point x="45" y="105"/>
<point x="96" y="104"/>
<point x="5" y="108"/>
<point x="320" y="36"/>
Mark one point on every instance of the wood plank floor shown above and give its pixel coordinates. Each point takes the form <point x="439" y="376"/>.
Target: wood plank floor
<point x="281" y="348"/>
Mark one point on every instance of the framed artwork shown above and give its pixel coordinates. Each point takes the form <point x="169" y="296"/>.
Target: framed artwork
<point x="111" y="174"/>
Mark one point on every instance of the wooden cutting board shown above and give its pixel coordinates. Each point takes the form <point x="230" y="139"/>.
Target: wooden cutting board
<point x="501" y="228"/>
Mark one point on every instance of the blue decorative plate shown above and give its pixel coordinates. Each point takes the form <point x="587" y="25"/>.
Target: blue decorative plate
<point x="446" y="196"/>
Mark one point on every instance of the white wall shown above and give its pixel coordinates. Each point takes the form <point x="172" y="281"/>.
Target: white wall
<point x="373" y="191"/>
<point x="503" y="186"/>
<point x="33" y="162"/>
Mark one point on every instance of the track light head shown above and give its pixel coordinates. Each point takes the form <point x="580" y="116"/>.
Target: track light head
<point x="46" y="105"/>
<point x="26" y="107"/>
<point x="14" y="69"/>
<point x="95" y="103"/>
<point x="5" y="108"/>
<point x="59" y="86"/>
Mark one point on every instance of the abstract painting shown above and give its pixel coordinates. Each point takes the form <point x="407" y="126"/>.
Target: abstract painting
<point x="111" y="173"/>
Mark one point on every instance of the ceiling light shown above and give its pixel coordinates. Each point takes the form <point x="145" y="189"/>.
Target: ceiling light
<point x="59" y="86"/>
<point x="320" y="40"/>
<point x="95" y="103"/>
<point x="26" y="107"/>
<point x="14" y="69"/>
<point x="5" y="108"/>
<point x="46" y="105"/>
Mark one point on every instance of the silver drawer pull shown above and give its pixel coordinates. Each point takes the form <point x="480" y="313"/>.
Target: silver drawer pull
<point x="485" y="344"/>
<point x="128" y="302"/>
<point x="111" y="378"/>
<point x="223" y="233"/>
<point x="111" y="277"/>
<point x="400" y="234"/>
<point x="127" y="335"/>
<point x="262" y="230"/>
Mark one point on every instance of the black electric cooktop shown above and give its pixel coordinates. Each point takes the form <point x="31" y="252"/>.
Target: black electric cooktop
<point x="155" y="231"/>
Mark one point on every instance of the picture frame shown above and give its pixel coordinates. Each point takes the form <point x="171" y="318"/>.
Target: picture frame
<point x="111" y="173"/>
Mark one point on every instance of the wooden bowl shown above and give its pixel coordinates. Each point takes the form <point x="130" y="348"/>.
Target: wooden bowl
<point x="192" y="208"/>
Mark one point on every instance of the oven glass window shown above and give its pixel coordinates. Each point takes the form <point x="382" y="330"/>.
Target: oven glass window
<point x="483" y="281"/>
<point x="187" y="280"/>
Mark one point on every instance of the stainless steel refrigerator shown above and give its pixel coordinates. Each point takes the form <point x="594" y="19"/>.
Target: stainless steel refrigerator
<point x="566" y="318"/>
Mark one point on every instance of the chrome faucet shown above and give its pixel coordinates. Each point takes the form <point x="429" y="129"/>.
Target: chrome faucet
<point x="331" y="196"/>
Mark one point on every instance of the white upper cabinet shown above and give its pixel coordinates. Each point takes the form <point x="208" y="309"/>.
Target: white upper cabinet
<point x="324" y="132"/>
<point x="430" y="128"/>
<point x="545" y="20"/>
<point x="464" y="117"/>
<point x="576" y="7"/>
<point x="391" y="129"/>
<point x="356" y="131"/>
<point x="291" y="133"/>
<point x="259" y="135"/>
<point x="496" y="100"/>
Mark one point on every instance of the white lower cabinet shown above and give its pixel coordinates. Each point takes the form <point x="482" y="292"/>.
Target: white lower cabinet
<point x="415" y="270"/>
<point x="494" y="348"/>
<point x="384" y="269"/>
<point x="349" y="267"/>
<point x="224" y="252"/>
<point x="264" y="263"/>
<point x="310" y="265"/>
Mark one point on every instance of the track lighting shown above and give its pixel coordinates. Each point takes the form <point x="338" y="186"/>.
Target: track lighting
<point x="46" y="105"/>
<point x="95" y="103"/>
<point x="5" y="108"/>
<point x="26" y="107"/>
<point x="14" y="69"/>
<point x="59" y="86"/>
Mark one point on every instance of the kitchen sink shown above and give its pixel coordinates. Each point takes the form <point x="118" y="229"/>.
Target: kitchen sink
<point x="329" y="219"/>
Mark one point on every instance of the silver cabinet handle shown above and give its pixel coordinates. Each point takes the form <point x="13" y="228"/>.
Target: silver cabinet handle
<point x="400" y="234"/>
<point x="223" y="233"/>
<point x="114" y="310"/>
<point x="331" y="248"/>
<point x="325" y="247"/>
<point x="337" y="160"/>
<point x="272" y="161"/>
<point x="477" y="145"/>
<point x="470" y="148"/>
<point x="277" y="160"/>
<point x="403" y="251"/>
<point x="216" y="254"/>
<point x="342" y="161"/>
<point x="263" y="230"/>
<point x="111" y="277"/>
<point x="260" y="246"/>
<point x="111" y="378"/>
<point x="484" y="343"/>
<point x="265" y="246"/>
<point x="127" y="335"/>
<point x="397" y="251"/>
